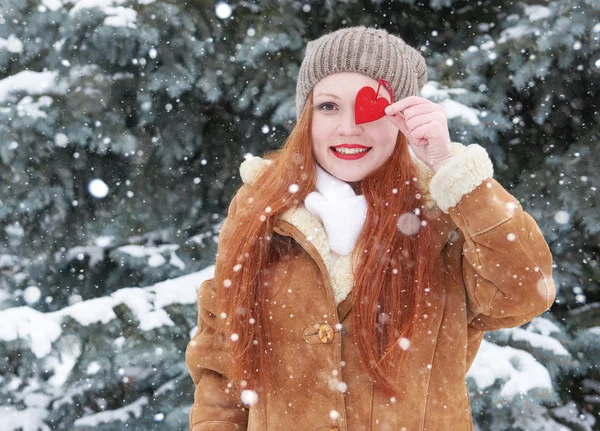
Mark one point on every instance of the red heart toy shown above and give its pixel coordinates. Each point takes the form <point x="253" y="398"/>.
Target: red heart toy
<point x="367" y="107"/>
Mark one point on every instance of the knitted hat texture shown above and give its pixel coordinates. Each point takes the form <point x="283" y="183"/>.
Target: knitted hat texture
<point x="372" y="52"/>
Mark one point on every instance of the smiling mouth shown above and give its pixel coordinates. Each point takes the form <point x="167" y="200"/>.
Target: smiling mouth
<point x="350" y="152"/>
<point x="350" y="149"/>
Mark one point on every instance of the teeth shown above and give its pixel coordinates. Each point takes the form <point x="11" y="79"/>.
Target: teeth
<point x="350" y="151"/>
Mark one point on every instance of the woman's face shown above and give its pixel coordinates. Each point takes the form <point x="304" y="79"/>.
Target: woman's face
<point x="333" y="127"/>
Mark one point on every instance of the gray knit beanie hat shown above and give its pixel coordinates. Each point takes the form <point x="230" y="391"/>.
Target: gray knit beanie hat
<point x="372" y="52"/>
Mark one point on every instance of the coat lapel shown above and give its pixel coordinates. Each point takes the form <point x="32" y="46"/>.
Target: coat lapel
<point x="345" y="306"/>
<point x="309" y="231"/>
<point x="285" y="228"/>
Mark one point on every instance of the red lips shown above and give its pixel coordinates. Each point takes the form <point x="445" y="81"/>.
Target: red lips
<point x="350" y="146"/>
<point x="350" y="156"/>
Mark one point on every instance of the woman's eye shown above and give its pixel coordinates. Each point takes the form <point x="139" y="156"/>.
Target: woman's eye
<point x="327" y="106"/>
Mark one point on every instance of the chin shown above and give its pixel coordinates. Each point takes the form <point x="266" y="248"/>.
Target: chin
<point x="348" y="177"/>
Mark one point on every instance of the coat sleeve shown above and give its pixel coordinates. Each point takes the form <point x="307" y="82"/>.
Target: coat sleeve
<point x="216" y="403"/>
<point x="506" y="262"/>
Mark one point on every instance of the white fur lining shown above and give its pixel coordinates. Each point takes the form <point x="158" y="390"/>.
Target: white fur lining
<point x="469" y="167"/>
<point x="460" y="176"/>
<point x="250" y="168"/>
<point x="342" y="277"/>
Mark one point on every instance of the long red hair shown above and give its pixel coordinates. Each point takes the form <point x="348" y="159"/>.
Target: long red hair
<point x="390" y="278"/>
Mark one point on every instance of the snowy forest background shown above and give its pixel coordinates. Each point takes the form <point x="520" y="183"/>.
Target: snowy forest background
<point x="122" y="126"/>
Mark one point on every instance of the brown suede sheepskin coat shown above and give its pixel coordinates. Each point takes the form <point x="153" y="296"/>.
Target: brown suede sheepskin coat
<point x="499" y="275"/>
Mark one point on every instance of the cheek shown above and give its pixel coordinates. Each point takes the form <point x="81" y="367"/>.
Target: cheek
<point x="389" y="140"/>
<point x="392" y="138"/>
<point x="391" y="132"/>
<point x="319" y="135"/>
<point x="387" y="136"/>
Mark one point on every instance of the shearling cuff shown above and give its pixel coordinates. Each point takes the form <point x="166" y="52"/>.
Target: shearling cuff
<point x="461" y="175"/>
<point x="251" y="168"/>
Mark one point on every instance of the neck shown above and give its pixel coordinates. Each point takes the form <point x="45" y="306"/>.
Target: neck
<point x="327" y="180"/>
<point x="356" y="187"/>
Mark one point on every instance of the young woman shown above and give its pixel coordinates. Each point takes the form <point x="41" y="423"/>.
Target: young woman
<point x="360" y="265"/>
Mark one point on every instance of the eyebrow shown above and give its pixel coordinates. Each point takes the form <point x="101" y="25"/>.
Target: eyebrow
<point x="327" y="94"/>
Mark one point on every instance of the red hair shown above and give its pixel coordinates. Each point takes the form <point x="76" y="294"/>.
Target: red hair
<point x="390" y="279"/>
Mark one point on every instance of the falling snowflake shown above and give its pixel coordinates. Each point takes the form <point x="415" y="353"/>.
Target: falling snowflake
<point x="562" y="217"/>
<point x="404" y="343"/>
<point x="223" y="10"/>
<point x="249" y="397"/>
<point x="31" y="294"/>
<point x="408" y="223"/>
<point x="98" y="188"/>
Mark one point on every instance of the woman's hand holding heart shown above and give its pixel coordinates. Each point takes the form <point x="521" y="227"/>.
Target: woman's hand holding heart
<point x="425" y="125"/>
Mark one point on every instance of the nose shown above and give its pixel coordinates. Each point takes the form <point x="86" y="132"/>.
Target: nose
<point x="347" y="125"/>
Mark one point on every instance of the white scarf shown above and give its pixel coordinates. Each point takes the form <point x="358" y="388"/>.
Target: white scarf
<point x="341" y="211"/>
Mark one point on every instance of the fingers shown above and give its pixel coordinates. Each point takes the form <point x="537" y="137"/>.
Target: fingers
<point x="398" y="121"/>
<point x="414" y="105"/>
<point x="414" y="110"/>
<point x="418" y="120"/>
<point x="394" y="108"/>
<point x="402" y="104"/>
